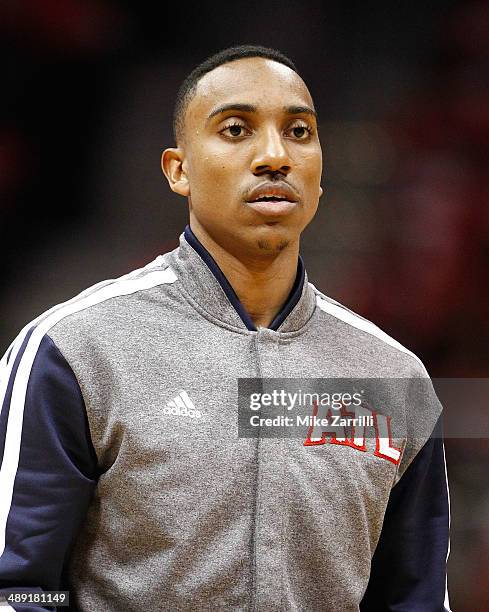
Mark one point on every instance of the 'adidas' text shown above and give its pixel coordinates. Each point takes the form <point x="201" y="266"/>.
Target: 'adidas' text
<point x="182" y="405"/>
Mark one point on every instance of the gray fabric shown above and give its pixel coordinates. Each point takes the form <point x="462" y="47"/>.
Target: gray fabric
<point x="186" y="516"/>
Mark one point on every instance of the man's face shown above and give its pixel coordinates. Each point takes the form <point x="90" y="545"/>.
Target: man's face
<point x="251" y="157"/>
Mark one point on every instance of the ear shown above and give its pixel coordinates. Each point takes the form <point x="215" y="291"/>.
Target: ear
<point x="172" y="164"/>
<point x="320" y="191"/>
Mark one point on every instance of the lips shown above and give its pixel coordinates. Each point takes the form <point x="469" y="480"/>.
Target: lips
<point x="272" y="192"/>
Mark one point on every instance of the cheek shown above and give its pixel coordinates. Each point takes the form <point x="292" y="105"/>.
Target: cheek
<point x="212" y="171"/>
<point x="310" y="170"/>
<point x="314" y="164"/>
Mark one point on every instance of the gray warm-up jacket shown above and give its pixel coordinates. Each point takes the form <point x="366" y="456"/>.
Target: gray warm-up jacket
<point x="123" y="478"/>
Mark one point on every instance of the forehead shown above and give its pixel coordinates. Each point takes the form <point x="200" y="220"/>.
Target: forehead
<point x="255" y="80"/>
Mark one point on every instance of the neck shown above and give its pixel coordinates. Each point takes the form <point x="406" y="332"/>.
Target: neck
<point x="262" y="284"/>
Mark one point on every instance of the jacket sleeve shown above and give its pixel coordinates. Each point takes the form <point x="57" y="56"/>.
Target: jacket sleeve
<point x="408" y="572"/>
<point x="48" y="467"/>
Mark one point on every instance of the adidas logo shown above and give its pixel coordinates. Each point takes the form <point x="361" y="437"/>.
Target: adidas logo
<point x="182" y="405"/>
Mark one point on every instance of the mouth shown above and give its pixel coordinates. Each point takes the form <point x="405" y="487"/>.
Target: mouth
<point x="272" y="200"/>
<point x="272" y="207"/>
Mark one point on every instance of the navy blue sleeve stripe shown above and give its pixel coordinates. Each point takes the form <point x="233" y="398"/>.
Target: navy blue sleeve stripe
<point x="5" y="401"/>
<point x="9" y="353"/>
<point x="408" y="570"/>
<point x="56" y="475"/>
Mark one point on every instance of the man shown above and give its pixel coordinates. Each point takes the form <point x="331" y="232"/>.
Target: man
<point x="123" y="477"/>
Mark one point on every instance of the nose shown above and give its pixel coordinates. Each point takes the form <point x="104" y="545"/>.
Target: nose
<point x="270" y="154"/>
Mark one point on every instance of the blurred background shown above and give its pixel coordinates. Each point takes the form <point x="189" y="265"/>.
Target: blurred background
<point x="402" y="233"/>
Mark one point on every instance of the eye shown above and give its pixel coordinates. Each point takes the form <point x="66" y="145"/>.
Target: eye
<point x="234" y="131"/>
<point x="301" y="131"/>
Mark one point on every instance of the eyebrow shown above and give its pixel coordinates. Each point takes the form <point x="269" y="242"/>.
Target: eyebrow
<point x="297" y="110"/>
<point x="251" y="108"/>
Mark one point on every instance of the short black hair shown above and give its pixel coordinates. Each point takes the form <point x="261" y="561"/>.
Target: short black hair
<point x="231" y="54"/>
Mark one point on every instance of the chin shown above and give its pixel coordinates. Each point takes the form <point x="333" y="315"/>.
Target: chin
<point x="274" y="239"/>
<point x="268" y="246"/>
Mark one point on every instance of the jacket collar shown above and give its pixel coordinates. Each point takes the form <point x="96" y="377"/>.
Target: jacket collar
<point x="204" y="282"/>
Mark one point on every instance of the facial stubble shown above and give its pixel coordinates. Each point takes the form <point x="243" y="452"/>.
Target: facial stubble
<point x="264" y="245"/>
